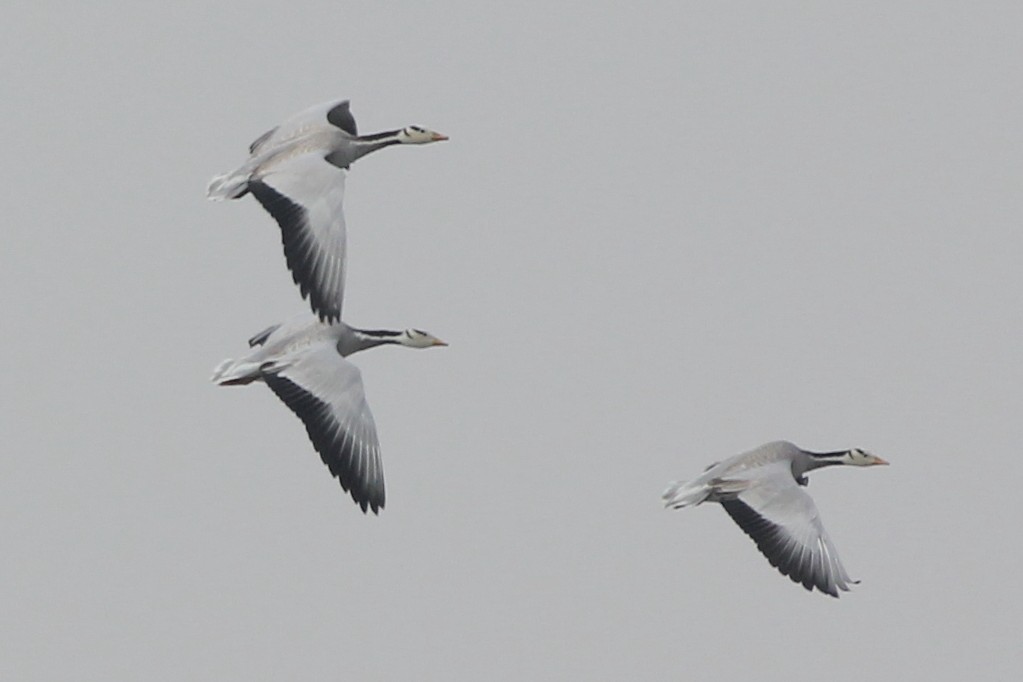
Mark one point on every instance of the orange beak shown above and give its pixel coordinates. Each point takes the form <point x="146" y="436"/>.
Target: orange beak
<point x="879" y="461"/>
<point x="437" y="137"/>
<point x="438" y="342"/>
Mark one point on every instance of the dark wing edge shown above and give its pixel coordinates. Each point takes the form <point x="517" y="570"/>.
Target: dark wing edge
<point x="341" y="117"/>
<point x="334" y="445"/>
<point x="783" y="552"/>
<point x="260" y="338"/>
<point x="299" y="248"/>
<point x="261" y="139"/>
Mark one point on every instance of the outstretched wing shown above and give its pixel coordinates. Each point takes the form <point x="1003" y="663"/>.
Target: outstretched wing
<point x="333" y="114"/>
<point x="326" y="393"/>
<point x="784" y="522"/>
<point x="305" y="195"/>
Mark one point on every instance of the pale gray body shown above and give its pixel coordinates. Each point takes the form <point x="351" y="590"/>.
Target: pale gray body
<point x="297" y="173"/>
<point x="303" y="362"/>
<point x="761" y="490"/>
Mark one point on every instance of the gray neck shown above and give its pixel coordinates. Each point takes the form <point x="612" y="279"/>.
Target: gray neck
<point x="817" y="460"/>
<point x="358" y="147"/>
<point x="366" y="144"/>
<point x="361" y="339"/>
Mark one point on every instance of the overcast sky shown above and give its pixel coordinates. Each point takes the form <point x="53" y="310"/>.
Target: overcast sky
<point x="661" y="234"/>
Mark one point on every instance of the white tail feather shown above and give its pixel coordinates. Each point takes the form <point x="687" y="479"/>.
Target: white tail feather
<point x="232" y="372"/>
<point x="227" y="186"/>
<point x="685" y="494"/>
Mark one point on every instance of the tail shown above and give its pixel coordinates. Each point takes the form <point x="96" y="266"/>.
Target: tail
<point x="685" y="494"/>
<point x="231" y="185"/>
<point x="235" y="373"/>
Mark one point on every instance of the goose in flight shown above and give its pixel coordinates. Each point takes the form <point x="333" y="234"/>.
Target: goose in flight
<point x="760" y="490"/>
<point x="303" y="362"/>
<point x="297" y="172"/>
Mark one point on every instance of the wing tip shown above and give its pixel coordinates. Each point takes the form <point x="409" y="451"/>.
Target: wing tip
<point x="790" y="565"/>
<point x="329" y="315"/>
<point x="368" y="505"/>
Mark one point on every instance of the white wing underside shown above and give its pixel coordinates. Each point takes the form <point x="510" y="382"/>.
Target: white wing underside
<point x="783" y="520"/>
<point x="326" y="393"/>
<point x="305" y="195"/>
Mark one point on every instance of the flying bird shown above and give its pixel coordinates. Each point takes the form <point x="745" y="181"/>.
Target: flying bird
<point x="303" y="362"/>
<point x="297" y="172"/>
<point x="761" y="491"/>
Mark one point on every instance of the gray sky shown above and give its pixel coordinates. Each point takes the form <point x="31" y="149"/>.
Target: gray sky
<point x="658" y="236"/>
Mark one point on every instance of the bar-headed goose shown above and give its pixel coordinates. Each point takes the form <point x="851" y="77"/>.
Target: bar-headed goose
<point x="297" y="172"/>
<point x="303" y="362"/>
<point x="760" y="490"/>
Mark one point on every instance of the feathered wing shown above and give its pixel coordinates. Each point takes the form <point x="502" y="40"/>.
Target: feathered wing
<point x="335" y="114"/>
<point x="305" y="195"/>
<point x="785" y="524"/>
<point x="260" y="338"/>
<point x="325" y="391"/>
<point x="332" y="117"/>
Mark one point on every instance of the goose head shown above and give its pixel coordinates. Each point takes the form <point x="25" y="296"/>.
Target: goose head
<point x="860" y="458"/>
<point x="417" y="135"/>
<point x="415" y="338"/>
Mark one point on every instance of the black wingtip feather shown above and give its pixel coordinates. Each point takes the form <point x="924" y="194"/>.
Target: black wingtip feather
<point x="298" y="252"/>
<point x="334" y="448"/>
<point x="771" y="542"/>
<point x="341" y="116"/>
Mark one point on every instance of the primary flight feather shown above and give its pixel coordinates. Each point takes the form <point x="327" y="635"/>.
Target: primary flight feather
<point x="304" y="362"/>
<point x="761" y="490"/>
<point x="296" y="171"/>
